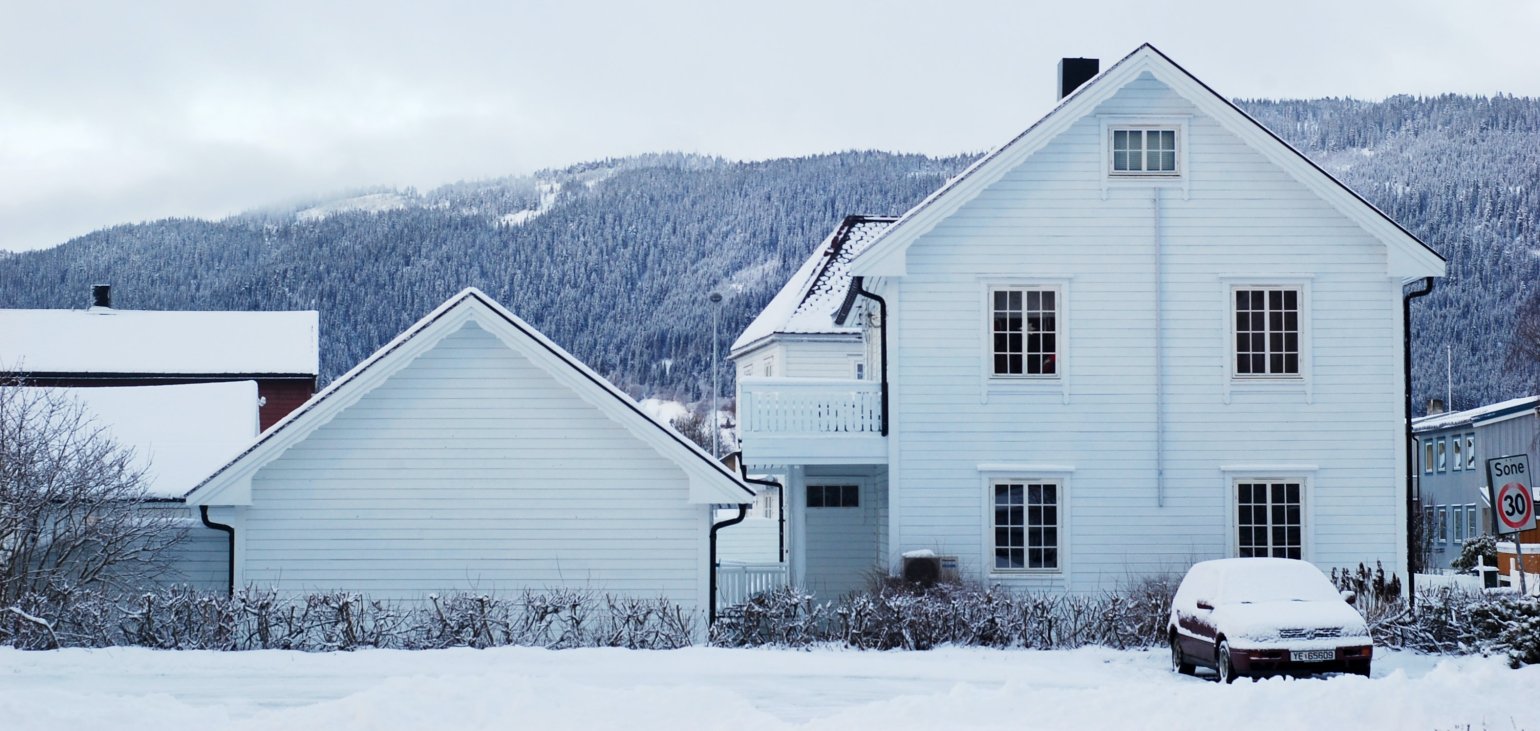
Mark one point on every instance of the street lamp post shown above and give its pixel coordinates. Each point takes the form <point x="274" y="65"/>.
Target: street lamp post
<point x="716" y="428"/>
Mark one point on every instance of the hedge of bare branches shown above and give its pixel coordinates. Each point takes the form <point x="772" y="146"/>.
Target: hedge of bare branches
<point x="895" y="615"/>
<point x="185" y="619"/>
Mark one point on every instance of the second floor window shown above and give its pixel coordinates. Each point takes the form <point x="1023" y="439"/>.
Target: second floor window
<point x="1024" y="332"/>
<point x="1267" y="332"/>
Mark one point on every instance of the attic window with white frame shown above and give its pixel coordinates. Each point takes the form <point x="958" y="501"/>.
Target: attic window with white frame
<point x="1144" y="151"/>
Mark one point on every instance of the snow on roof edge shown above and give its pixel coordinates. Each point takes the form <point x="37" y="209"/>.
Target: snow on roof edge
<point x="1468" y="416"/>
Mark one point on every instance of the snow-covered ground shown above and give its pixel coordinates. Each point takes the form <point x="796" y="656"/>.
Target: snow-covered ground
<point x="743" y="690"/>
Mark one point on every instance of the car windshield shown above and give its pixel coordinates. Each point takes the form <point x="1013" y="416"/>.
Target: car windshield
<point x="1275" y="582"/>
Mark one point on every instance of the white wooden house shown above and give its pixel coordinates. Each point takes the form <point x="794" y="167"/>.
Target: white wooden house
<point x="1142" y="333"/>
<point x="472" y="454"/>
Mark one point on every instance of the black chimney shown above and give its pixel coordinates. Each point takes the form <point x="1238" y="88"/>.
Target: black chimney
<point x="101" y="295"/>
<point x="1075" y="71"/>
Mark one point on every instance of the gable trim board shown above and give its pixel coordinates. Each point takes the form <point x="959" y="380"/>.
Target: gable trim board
<point x="1409" y="257"/>
<point x="710" y="482"/>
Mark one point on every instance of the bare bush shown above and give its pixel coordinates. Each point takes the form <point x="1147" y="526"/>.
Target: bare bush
<point x="898" y="615"/>
<point x="182" y="618"/>
<point x="71" y="515"/>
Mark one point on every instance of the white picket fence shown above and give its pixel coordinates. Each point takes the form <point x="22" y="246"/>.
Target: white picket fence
<point x="736" y="582"/>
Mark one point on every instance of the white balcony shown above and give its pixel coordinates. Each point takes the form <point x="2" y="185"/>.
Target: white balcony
<point x="810" y="421"/>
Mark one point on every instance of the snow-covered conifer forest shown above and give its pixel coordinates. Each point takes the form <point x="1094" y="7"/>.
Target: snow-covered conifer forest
<point x="614" y="259"/>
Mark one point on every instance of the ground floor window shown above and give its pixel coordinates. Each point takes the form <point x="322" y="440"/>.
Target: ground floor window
<point x="1270" y="519"/>
<point x="1026" y="525"/>
<point x="833" y="496"/>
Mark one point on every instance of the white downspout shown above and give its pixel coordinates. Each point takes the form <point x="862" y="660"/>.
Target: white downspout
<point x="1160" y="359"/>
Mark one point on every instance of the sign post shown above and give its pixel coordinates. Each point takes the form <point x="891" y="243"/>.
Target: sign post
<point x="1513" y="505"/>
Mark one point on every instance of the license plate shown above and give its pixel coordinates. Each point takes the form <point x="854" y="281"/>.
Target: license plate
<point x="1313" y="655"/>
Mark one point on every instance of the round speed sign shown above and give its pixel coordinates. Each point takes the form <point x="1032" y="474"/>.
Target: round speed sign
<point x="1515" y="507"/>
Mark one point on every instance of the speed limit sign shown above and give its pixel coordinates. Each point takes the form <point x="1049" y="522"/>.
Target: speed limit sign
<point x="1513" y="506"/>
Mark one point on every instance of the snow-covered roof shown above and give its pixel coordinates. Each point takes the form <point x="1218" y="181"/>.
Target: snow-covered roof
<point x="710" y="480"/>
<point x="103" y="340"/>
<point x="178" y="433"/>
<point x="1480" y="413"/>
<point x="808" y="301"/>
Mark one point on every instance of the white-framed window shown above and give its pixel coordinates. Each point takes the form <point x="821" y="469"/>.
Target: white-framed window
<point x="860" y="368"/>
<point x="769" y="366"/>
<point x="1270" y="518"/>
<point x="1143" y="150"/>
<point x="1472" y="521"/>
<point x="1441" y="528"/>
<point x="1027" y="528"/>
<point x="1025" y="332"/>
<point x="1443" y="454"/>
<point x="1427" y="457"/>
<point x="1266" y="331"/>
<point x="748" y="369"/>
<point x="1457" y="446"/>
<point x="834" y="496"/>
<point x="1457" y="530"/>
<point x="1470" y="451"/>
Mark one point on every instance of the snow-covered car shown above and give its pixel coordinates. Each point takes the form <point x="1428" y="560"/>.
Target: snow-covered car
<point x="1265" y="616"/>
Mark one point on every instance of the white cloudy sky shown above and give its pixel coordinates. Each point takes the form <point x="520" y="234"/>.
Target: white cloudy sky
<point x="114" y="112"/>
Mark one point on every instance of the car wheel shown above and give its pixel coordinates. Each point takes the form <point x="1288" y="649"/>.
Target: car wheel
<point x="1222" y="663"/>
<point x="1179" y="662"/>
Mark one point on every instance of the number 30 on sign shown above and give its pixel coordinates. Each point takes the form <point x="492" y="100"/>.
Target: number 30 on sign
<point x="1513" y="505"/>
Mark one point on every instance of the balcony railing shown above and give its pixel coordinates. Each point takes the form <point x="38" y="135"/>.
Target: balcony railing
<point x="809" y="406"/>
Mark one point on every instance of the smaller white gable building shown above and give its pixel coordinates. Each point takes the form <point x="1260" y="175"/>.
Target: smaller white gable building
<point x="472" y="454"/>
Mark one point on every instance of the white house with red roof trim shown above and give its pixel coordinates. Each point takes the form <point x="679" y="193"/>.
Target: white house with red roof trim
<point x="1144" y="332"/>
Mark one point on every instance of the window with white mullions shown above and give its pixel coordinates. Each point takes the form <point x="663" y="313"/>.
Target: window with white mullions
<point x="1144" y="151"/>
<point x="1270" y="519"/>
<point x="1026" y="525"/>
<point x="1024" y="332"/>
<point x="1267" y="331"/>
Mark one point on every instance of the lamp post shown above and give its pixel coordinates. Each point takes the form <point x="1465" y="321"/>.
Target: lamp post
<point x="716" y="428"/>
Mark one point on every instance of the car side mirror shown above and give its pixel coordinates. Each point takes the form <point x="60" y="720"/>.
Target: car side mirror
<point x="1349" y="597"/>
<point x="1205" y="604"/>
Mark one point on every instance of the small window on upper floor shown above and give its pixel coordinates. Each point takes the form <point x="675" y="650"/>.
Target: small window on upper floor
<point x="860" y="371"/>
<point x="1458" y="463"/>
<point x="1427" y="457"/>
<point x="1470" y="451"/>
<point x="1443" y="456"/>
<point x="1144" y="151"/>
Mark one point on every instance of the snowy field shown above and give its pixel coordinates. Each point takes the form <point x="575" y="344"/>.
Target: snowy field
<point x="743" y="690"/>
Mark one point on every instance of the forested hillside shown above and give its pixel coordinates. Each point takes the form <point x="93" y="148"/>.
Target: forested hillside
<point x="614" y="259"/>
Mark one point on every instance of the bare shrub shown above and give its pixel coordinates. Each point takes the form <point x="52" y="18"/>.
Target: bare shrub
<point x="71" y="516"/>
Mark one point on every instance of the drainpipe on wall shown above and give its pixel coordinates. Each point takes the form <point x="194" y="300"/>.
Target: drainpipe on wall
<point x="857" y="288"/>
<point x="743" y="512"/>
<point x="229" y="530"/>
<point x="1411" y="458"/>
<point x="1160" y="361"/>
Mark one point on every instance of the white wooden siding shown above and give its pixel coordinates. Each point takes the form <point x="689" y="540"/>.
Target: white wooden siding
<point x="201" y="559"/>
<point x="1243" y="217"/>
<point x="472" y="469"/>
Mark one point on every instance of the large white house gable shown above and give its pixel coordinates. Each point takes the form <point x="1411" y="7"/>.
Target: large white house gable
<point x="1144" y="92"/>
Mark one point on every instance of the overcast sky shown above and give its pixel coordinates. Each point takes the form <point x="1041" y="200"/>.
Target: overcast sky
<point x="118" y="112"/>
